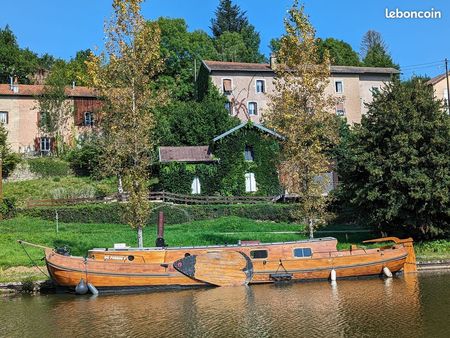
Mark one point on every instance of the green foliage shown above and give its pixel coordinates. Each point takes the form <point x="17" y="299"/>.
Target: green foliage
<point x="375" y="51"/>
<point x="173" y="214"/>
<point x="15" y="61"/>
<point x="85" y="158"/>
<point x="48" y="166"/>
<point x="9" y="159"/>
<point x="57" y="187"/>
<point x="227" y="175"/>
<point x="192" y="123"/>
<point x="235" y="38"/>
<point x="68" y="71"/>
<point x="233" y="166"/>
<point x="7" y="208"/>
<point x="177" y="177"/>
<point x="180" y="50"/>
<point x="340" y="52"/>
<point x="395" y="170"/>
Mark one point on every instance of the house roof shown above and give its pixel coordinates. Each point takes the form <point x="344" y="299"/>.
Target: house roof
<point x="185" y="154"/>
<point x="265" y="67"/>
<point x="33" y="90"/>
<point x="259" y="126"/>
<point x="437" y="79"/>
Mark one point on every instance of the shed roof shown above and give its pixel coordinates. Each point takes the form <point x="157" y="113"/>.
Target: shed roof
<point x="185" y="154"/>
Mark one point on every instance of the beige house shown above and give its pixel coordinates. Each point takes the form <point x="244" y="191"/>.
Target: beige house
<point x="19" y="112"/>
<point x="248" y="87"/>
<point x="439" y="84"/>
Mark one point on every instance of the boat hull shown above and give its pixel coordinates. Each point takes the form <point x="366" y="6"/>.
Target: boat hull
<point x="154" y="267"/>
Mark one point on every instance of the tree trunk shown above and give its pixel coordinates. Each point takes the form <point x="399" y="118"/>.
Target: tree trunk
<point x="311" y="228"/>
<point x="140" y="237"/>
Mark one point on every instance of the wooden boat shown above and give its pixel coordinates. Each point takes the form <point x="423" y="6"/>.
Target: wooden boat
<point x="228" y="265"/>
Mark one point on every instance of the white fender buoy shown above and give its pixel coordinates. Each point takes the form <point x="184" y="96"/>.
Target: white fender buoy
<point x="333" y="275"/>
<point x="387" y="272"/>
<point x="92" y="288"/>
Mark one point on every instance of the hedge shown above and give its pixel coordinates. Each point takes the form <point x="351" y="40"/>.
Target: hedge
<point x="49" y="167"/>
<point x="174" y="214"/>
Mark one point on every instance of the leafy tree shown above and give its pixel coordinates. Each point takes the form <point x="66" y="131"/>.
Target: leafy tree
<point x="231" y="47"/>
<point x="9" y="159"/>
<point x="395" y="171"/>
<point x="229" y="18"/>
<point x="374" y="51"/>
<point x="192" y="123"/>
<point x="85" y="158"/>
<point x="123" y="76"/>
<point x="300" y="112"/>
<point x="15" y="61"/>
<point x="182" y="52"/>
<point x="340" y="52"/>
<point x="274" y="45"/>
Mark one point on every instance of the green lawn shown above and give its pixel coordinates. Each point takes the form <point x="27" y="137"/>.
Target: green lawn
<point x="82" y="237"/>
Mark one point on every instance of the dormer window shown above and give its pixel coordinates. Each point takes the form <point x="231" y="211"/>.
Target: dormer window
<point x="88" y="119"/>
<point x="226" y="86"/>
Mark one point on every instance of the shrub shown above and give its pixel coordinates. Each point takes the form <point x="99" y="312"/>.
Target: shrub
<point x="7" y="208"/>
<point x="84" y="160"/>
<point x="174" y="214"/>
<point x="47" y="167"/>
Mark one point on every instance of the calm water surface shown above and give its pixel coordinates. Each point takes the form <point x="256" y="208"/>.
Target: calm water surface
<point x="413" y="306"/>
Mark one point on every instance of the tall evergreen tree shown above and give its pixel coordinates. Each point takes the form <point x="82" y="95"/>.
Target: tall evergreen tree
<point x="395" y="170"/>
<point x="230" y="18"/>
<point x="374" y="51"/>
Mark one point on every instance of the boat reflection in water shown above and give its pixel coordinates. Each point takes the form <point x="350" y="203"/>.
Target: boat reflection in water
<point x="364" y="307"/>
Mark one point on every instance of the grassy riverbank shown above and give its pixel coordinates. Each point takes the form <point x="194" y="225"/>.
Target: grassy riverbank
<point x="15" y="265"/>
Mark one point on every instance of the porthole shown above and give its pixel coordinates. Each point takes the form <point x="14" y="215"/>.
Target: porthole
<point x="131" y="258"/>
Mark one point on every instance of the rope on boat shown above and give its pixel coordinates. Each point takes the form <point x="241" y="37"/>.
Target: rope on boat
<point x="31" y="259"/>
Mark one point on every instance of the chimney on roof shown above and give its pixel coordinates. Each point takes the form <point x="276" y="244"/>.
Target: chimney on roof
<point x="73" y="84"/>
<point x="15" y="86"/>
<point x="273" y="61"/>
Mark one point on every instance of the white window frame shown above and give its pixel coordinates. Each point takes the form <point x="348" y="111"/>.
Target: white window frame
<point x="264" y="86"/>
<point x="221" y="85"/>
<point x="196" y="188"/>
<point x="248" y="108"/>
<point x="48" y="143"/>
<point x="5" y="114"/>
<point x="342" y="86"/>
<point x="250" y="182"/>
<point x="338" y="111"/>
<point x="92" y="121"/>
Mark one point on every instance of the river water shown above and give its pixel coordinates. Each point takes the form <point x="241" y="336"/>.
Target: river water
<point x="405" y="306"/>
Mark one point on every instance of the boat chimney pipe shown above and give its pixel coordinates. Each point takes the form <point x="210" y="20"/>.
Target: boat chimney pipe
<point x="160" y="235"/>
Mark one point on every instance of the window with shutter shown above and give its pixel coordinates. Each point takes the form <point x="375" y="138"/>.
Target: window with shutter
<point x="260" y="86"/>
<point x="226" y="86"/>
<point x="195" y="186"/>
<point x="250" y="182"/>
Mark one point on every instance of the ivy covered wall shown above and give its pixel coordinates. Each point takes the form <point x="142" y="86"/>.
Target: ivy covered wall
<point x="227" y="175"/>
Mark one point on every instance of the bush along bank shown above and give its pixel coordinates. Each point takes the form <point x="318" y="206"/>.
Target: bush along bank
<point x="174" y="214"/>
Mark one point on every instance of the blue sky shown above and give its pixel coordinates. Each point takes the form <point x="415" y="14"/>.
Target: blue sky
<point x="63" y="27"/>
